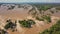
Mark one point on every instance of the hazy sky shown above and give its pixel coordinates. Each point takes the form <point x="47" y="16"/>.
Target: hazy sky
<point x="46" y="1"/>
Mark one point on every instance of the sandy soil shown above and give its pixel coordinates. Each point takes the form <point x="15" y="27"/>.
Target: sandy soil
<point x="19" y="14"/>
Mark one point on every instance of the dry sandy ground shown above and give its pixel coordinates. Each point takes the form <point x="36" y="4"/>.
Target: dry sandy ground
<point x="38" y="27"/>
<point x="19" y="14"/>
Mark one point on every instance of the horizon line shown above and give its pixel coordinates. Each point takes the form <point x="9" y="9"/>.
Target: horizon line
<point x="29" y="2"/>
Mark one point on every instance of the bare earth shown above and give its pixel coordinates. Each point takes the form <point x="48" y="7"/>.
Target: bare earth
<point x="19" y="14"/>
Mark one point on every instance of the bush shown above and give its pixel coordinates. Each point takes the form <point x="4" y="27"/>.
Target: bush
<point x="3" y="32"/>
<point x="26" y="23"/>
<point x="44" y="7"/>
<point x="31" y="21"/>
<point x="52" y="12"/>
<point x="10" y="24"/>
<point x="58" y="8"/>
<point x="48" y="18"/>
<point x="55" y="29"/>
<point x="12" y="7"/>
<point x="40" y="19"/>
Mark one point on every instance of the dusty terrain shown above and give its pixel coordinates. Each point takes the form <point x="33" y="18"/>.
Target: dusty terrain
<point x="21" y="13"/>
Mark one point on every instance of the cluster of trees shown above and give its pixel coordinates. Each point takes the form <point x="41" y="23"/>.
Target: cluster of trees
<point x="44" y="8"/>
<point x="24" y="23"/>
<point x="58" y="8"/>
<point x="55" y="29"/>
<point x="10" y="25"/>
<point x="27" y="23"/>
<point x="3" y="32"/>
<point x="12" y="7"/>
<point x="45" y="17"/>
<point x="40" y="19"/>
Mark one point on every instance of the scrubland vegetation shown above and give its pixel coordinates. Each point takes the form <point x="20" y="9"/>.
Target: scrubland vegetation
<point x="38" y="11"/>
<point x="27" y="23"/>
<point x="10" y="24"/>
<point x="44" y="18"/>
<point x="3" y="32"/>
<point x="48" y="18"/>
<point x="40" y="19"/>
<point x="58" y="8"/>
<point x="44" y="8"/>
<point x="55" y="29"/>
<point x="24" y="23"/>
<point x="12" y="7"/>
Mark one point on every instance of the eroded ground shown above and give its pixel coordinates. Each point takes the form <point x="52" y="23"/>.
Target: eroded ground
<point x="21" y="14"/>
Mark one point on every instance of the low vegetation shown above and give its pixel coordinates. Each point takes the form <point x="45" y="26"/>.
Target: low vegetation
<point x="40" y="19"/>
<point x="27" y="23"/>
<point x="58" y="8"/>
<point x="43" y="18"/>
<point x="12" y="7"/>
<point x="46" y="17"/>
<point x="44" y="8"/>
<point x="40" y="11"/>
<point x="55" y="29"/>
<point x="3" y="31"/>
<point x="10" y="25"/>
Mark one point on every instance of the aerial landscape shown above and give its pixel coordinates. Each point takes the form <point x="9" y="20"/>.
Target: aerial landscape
<point x="29" y="18"/>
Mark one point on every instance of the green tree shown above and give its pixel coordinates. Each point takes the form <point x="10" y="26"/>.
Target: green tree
<point x="55" y="29"/>
<point x="27" y="23"/>
<point x="10" y="24"/>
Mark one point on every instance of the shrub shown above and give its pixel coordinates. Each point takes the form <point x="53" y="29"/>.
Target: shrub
<point x="26" y="23"/>
<point x="44" y="7"/>
<point x="12" y="7"/>
<point x="10" y="24"/>
<point x="58" y="8"/>
<point x="52" y="12"/>
<point x="3" y="32"/>
<point x="55" y="29"/>
<point x="31" y="21"/>
<point x="48" y="18"/>
<point x="40" y="19"/>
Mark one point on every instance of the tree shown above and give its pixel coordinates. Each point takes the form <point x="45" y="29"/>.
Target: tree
<point x="12" y="7"/>
<point x="46" y="17"/>
<point x="10" y="25"/>
<point x="27" y="23"/>
<point x="40" y="19"/>
<point x="3" y="32"/>
<point x="55" y="29"/>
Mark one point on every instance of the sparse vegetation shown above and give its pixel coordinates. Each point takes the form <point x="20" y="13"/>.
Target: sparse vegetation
<point x="55" y="29"/>
<point x="12" y="7"/>
<point x="43" y="7"/>
<point x="3" y="32"/>
<point x="40" y="19"/>
<point x="10" y="24"/>
<point x="38" y="12"/>
<point x="46" y="17"/>
<point x="58" y="8"/>
<point x="27" y="23"/>
<point x="52" y="12"/>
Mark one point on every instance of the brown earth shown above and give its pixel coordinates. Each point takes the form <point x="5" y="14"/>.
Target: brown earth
<point x="19" y="14"/>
